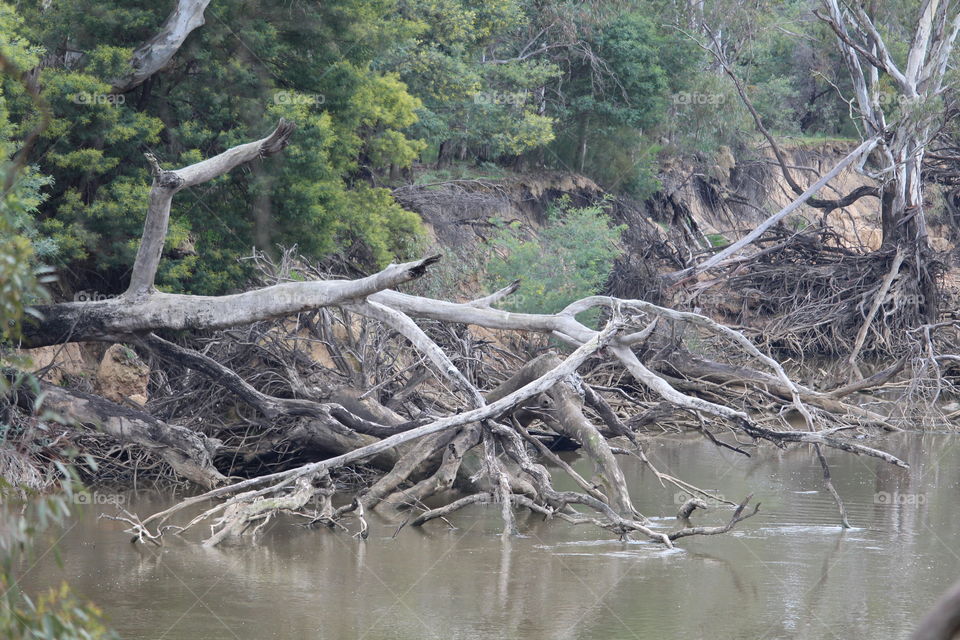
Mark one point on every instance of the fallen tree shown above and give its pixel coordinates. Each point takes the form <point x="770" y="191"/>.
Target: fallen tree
<point x="818" y="294"/>
<point x="471" y="429"/>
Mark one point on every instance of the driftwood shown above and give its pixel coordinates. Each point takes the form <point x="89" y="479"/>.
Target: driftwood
<point x="469" y="434"/>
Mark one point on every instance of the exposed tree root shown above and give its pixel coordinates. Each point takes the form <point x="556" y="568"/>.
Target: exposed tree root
<point x="487" y="453"/>
<point x="334" y="383"/>
<point x="463" y="451"/>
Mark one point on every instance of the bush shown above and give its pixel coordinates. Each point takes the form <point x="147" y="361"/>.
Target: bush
<point x="567" y="260"/>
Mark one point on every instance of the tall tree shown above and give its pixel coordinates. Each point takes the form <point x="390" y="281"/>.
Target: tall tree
<point x="902" y="136"/>
<point x="226" y="70"/>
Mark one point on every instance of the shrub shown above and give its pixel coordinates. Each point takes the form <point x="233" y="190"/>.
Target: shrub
<point x="568" y="259"/>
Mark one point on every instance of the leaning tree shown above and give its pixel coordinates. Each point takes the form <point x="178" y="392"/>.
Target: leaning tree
<point x="819" y="294"/>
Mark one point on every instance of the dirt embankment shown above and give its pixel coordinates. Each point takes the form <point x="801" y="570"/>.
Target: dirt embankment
<point x="732" y="194"/>
<point x="723" y="196"/>
<point x="698" y="206"/>
<point x="459" y="213"/>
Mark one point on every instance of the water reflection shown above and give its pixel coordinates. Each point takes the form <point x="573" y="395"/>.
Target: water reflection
<point x="790" y="572"/>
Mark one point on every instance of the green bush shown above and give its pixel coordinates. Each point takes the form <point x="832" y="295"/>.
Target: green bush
<point x="568" y="259"/>
<point x="27" y="520"/>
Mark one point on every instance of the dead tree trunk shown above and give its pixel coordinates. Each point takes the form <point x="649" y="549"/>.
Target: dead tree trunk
<point x="473" y="441"/>
<point x="918" y="84"/>
<point x="806" y="290"/>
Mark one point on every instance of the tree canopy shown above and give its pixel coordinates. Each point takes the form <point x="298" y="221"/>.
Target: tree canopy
<point x="376" y="87"/>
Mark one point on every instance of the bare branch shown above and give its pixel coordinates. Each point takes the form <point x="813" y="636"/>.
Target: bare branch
<point x="120" y="318"/>
<point x="168" y="183"/>
<point x="717" y="258"/>
<point x="536" y="387"/>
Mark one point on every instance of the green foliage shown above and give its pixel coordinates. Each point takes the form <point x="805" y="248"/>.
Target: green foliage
<point x="468" y="102"/>
<point x="568" y="259"/>
<point x="608" y="110"/>
<point x="456" y="271"/>
<point x="461" y="171"/>
<point x="377" y="87"/>
<point x="17" y="51"/>
<point x="788" y="63"/>
<point x="20" y="275"/>
<point x="717" y="240"/>
<point x="706" y="114"/>
<point x="26" y="521"/>
<point x="21" y="247"/>
<point x="248" y="65"/>
<point x="633" y="92"/>
<point x="55" y="614"/>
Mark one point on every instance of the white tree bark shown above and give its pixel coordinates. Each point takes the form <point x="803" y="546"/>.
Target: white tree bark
<point x="167" y="183"/>
<point x="157" y="52"/>
<point x="121" y="318"/>
<point x="866" y="56"/>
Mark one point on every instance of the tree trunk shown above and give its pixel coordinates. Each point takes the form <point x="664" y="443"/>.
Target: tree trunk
<point x="582" y="143"/>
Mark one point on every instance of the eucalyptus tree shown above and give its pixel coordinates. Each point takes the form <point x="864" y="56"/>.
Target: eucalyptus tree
<point x="918" y="77"/>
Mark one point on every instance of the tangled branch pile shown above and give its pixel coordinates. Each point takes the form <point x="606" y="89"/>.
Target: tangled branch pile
<point x="335" y="385"/>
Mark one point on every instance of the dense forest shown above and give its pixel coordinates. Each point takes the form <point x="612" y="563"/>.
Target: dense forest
<point x="383" y="93"/>
<point x="319" y="260"/>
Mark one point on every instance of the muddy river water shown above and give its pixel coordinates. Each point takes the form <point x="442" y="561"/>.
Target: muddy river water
<point x="789" y="572"/>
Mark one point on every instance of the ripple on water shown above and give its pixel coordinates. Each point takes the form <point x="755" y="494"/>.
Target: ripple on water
<point x="631" y="549"/>
<point x="787" y="529"/>
<point x="630" y="555"/>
